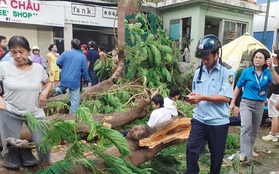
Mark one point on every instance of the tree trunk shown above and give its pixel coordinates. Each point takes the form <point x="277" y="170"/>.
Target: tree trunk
<point x="106" y="84"/>
<point x="154" y="139"/>
<point x="125" y="9"/>
<point x="160" y="136"/>
<point x="113" y="120"/>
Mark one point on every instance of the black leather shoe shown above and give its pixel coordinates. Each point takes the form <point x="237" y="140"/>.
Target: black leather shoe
<point x="27" y="157"/>
<point x="12" y="159"/>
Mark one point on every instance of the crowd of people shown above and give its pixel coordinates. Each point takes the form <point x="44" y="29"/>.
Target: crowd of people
<point x="213" y="94"/>
<point x="39" y="79"/>
<point x="215" y="99"/>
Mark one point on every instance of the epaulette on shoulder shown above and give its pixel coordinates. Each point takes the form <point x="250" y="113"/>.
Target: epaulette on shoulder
<point x="226" y="65"/>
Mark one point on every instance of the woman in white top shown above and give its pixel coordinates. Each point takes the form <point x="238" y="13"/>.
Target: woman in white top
<point x="21" y="80"/>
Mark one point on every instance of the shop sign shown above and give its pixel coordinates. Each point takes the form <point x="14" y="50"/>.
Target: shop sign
<point x="32" y="12"/>
<point x="109" y="12"/>
<point x="78" y="9"/>
<point x="85" y="14"/>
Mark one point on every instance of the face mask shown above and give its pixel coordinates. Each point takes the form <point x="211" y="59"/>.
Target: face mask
<point x="55" y="50"/>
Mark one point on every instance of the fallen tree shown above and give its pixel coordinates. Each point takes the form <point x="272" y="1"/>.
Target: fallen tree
<point x="106" y="84"/>
<point x="91" y="92"/>
<point x="145" y="142"/>
<point x="112" y="120"/>
<point x="154" y="59"/>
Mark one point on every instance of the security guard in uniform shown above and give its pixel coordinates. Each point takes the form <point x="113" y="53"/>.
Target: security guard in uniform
<point x="211" y="92"/>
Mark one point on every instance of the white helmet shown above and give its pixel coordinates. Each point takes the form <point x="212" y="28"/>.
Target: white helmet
<point x="35" y="48"/>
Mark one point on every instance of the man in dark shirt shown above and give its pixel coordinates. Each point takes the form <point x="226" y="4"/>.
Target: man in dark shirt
<point x="92" y="56"/>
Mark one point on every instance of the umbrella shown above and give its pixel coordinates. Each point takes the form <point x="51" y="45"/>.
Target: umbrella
<point x="233" y="51"/>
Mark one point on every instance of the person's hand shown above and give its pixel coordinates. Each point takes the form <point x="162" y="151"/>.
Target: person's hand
<point x="232" y="105"/>
<point x="193" y="98"/>
<point x="269" y="63"/>
<point x="85" y="83"/>
<point x="43" y="98"/>
<point x="2" y="103"/>
<point x="266" y="102"/>
<point x="51" y="73"/>
<point x="235" y="111"/>
<point x="187" y="98"/>
<point x="277" y="105"/>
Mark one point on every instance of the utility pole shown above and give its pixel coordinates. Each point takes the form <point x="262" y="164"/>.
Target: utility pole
<point x="265" y="22"/>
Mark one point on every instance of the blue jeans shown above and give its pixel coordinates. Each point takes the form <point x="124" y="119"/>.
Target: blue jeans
<point x="93" y="77"/>
<point x="60" y="90"/>
<point x="74" y="99"/>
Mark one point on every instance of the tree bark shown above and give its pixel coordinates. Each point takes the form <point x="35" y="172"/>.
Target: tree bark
<point x="174" y="131"/>
<point x="91" y="92"/>
<point x="112" y="120"/>
<point x="162" y="135"/>
<point x="106" y="84"/>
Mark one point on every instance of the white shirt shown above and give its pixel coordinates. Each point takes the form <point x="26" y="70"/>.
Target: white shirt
<point x="171" y="105"/>
<point x="22" y="88"/>
<point x="158" y="116"/>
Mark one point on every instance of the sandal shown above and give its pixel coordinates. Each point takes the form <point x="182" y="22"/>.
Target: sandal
<point x="242" y="158"/>
<point x="255" y="154"/>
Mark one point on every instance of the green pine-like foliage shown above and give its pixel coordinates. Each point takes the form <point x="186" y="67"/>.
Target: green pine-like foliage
<point x="57" y="130"/>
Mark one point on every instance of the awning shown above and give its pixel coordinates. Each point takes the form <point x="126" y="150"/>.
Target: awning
<point x="233" y="51"/>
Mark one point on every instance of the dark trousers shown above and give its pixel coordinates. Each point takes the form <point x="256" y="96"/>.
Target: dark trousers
<point x="215" y="136"/>
<point x="1" y="85"/>
<point x="93" y="77"/>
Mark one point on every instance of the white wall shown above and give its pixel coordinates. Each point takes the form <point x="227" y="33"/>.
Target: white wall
<point x="273" y="19"/>
<point x="36" y="35"/>
<point x="68" y="36"/>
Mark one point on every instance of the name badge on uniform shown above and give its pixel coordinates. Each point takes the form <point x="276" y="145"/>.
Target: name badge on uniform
<point x="261" y="93"/>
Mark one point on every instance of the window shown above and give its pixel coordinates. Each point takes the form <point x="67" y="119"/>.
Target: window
<point x="175" y="29"/>
<point x="186" y="32"/>
<point x="232" y="30"/>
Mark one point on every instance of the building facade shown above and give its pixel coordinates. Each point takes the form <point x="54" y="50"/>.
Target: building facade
<point x="91" y="22"/>
<point x="47" y="22"/>
<point x="32" y="20"/>
<point x="187" y="21"/>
